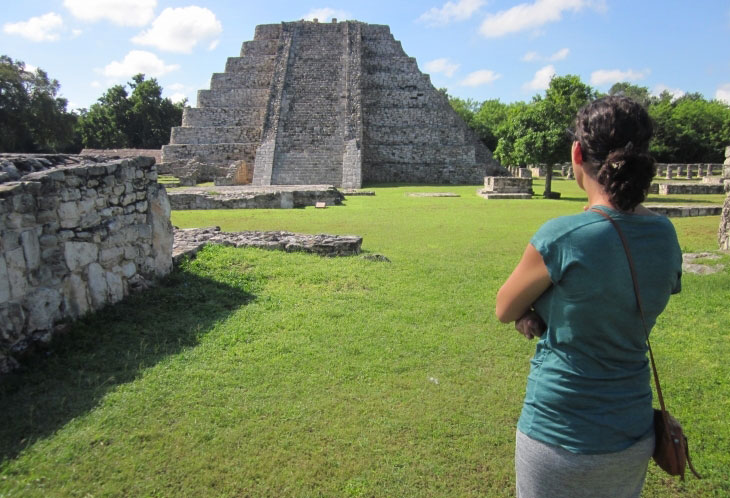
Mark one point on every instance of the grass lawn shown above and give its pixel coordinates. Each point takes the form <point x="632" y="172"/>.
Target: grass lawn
<point x="255" y="373"/>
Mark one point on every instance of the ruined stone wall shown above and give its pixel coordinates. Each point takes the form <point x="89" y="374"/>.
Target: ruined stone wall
<point x="723" y="234"/>
<point x="73" y="239"/>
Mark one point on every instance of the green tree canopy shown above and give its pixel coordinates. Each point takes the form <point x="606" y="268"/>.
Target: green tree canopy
<point x="536" y="132"/>
<point x="32" y="116"/>
<point x="140" y="120"/>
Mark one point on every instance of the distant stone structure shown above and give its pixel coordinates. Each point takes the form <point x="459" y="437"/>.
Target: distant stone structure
<point x="75" y="235"/>
<point x="501" y="187"/>
<point x="723" y="235"/>
<point x="324" y="103"/>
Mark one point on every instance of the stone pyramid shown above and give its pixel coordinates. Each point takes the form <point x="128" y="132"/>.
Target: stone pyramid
<point x="337" y="103"/>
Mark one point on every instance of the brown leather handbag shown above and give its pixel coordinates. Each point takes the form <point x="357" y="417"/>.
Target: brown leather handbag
<point x="671" y="450"/>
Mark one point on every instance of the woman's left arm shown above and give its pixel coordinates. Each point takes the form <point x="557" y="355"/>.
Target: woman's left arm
<point x="528" y="281"/>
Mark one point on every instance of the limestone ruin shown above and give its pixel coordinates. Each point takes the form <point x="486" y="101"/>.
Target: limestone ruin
<point x="723" y="234"/>
<point x="324" y="103"/>
<point x="75" y="235"/>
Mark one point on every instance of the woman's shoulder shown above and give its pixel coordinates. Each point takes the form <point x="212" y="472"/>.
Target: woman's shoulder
<point x="563" y="225"/>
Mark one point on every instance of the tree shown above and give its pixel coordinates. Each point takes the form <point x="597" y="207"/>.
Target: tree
<point x="141" y="120"/>
<point x="32" y="117"/>
<point x="638" y="93"/>
<point x="536" y="132"/>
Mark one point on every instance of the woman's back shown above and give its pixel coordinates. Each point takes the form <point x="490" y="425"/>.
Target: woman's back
<point x="588" y="389"/>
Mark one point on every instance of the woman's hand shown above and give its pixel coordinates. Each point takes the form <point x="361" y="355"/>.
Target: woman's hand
<point x="530" y="325"/>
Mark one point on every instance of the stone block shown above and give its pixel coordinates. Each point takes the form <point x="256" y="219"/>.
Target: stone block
<point x="43" y="308"/>
<point x="31" y="249"/>
<point x="16" y="272"/>
<point x="4" y="281"/>
<point x="80" y="254"/>
<point x="98" y="290"/>
<point x="75" y="293"/>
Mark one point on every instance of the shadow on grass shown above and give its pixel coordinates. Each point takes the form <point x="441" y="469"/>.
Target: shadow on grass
<point x="106" y="349"/>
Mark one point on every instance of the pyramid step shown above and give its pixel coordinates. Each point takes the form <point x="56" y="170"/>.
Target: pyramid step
<point x="263" y="63"/>
<point x="233" y="97"/>
<point x="414" y="116"/>
<point x="209" y="153"/>
<point x="395" y="135"/>
<point x="419" y="154"/>
<point x="252" y="79"/>
<point x="383" y="79"/>
<point x="215" y="134"/>
<point x="259" y="47"/>
<point x="223" y="116"/>
<point x="390" y="64"/>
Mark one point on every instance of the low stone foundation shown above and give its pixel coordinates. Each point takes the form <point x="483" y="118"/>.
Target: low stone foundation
<point x="505" y="187"/>
<point x="189" y="241"/>
<point x="690" y="188"/>
<point x="675" y="211"/>
<point x="249" y="197"/>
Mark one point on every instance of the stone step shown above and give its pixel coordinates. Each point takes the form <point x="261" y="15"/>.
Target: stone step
<point x="388" y="97"/>
<point x="414" y="134"/>
<point x="420" y="153"/>
<point x="224" y="116"/>
<point x="233" y="97"/>
<point x="390" y="65"/>
<point x="409" y="81"/>
<point x="259" y="47"/>
<point x="376" y="48"/>
<point x="439" y="173"/>
<point x="215" y="134"/>
<point x="323" y="164"/>
<point x="209" y="153"/>
<point x="263" y="63"/>
<point x="267" y="32"/>
<point x="253" y="80"/>
<point x="691" y="188"/>
<point x="374" y="116"/>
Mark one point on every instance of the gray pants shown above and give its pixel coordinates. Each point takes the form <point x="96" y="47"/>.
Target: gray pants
<point x="547" y="471"/>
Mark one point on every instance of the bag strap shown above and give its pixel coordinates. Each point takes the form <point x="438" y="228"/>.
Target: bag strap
<point x="641" y="308"/>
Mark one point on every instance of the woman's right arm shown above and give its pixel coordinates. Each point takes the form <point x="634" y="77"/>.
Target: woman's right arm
<point x="527" y="282"/>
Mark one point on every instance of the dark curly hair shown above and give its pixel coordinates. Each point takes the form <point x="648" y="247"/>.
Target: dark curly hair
<point x="614" y="134"/>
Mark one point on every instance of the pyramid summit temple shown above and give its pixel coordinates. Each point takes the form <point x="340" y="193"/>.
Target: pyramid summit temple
<point x="338" y="103"/>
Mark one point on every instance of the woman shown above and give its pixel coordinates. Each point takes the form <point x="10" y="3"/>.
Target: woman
<point x="586" y="427"/>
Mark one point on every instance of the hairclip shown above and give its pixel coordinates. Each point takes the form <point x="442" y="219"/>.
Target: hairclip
<point x="629" y="146"/>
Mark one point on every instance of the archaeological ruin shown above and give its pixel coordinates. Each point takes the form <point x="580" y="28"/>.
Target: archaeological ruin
<point x="75" y="234"/>
<point x="335" y="103"/>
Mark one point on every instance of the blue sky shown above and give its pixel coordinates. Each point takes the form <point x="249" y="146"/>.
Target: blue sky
<point x="478" y="49"/>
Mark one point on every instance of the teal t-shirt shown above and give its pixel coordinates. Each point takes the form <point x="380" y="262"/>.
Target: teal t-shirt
<point x="588" y="390"/>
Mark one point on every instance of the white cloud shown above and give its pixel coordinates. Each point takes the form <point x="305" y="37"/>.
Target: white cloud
<point x="481" y="77"/>
<point x="31" y="68"/>
<point x="176" y="87"/>
<point x="557" y="56"/>
<point x="179" y="30"/>
<point x="178" y="97"/>
<point x="542" y="78"/>
<point x="138" y="61"/>
<point x="610" y="76"/>
<point x="37" y="29"/>
<point x="529" y="16"/>
<point x="122" y="12"/>
<point x="325" y="14"/>
<point x="95" y="84"/>
<point x="676" y="92"/>
<point x="723" y="93"/>
<point x="451" y="12"/>
<point x="441" y="66"/>
<point x="75" y="33"/>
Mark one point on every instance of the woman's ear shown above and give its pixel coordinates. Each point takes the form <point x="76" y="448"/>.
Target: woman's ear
<point x="577" y="153"/>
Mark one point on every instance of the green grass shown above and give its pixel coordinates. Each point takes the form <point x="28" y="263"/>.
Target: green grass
<point x="255" y="373"/>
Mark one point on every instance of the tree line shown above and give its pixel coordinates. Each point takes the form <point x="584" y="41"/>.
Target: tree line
<point x="688" y="129"/>
<point x="34" y="118"/>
